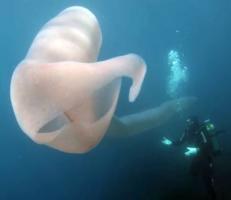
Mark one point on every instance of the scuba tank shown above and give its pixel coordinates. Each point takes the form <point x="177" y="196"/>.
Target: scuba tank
<point x="212" y="137"/>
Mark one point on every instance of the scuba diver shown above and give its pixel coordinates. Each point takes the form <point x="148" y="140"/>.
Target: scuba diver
<point x="202" y="147"/>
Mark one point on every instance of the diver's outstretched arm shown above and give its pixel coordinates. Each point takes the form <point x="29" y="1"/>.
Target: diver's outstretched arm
<point x="143" y="121"/>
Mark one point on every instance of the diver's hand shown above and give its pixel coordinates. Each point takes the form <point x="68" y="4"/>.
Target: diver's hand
<point x="166" y="141"/>
<point x="191" y="151"/>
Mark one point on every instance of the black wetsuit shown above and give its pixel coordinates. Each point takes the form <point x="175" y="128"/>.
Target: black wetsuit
<point x="202" y="162"/>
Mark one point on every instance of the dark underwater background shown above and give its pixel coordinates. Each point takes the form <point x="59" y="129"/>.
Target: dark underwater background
<point x="133" y="168"/>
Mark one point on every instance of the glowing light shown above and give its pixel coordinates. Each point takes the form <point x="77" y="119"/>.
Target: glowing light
<point x="191" y="151"/>
<point x="166" y="141"/>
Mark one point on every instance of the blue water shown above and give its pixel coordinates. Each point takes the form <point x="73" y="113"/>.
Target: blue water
<point x="136" y="167"/>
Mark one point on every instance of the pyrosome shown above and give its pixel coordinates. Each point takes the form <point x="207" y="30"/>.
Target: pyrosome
<point x="178" y="74"/>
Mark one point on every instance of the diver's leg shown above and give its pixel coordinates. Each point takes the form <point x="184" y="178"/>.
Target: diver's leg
<point x="195" y="167"/>
<point x="208" y="179"/>
<point x="195" y="172"/>
<point x="209" y="184"/>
